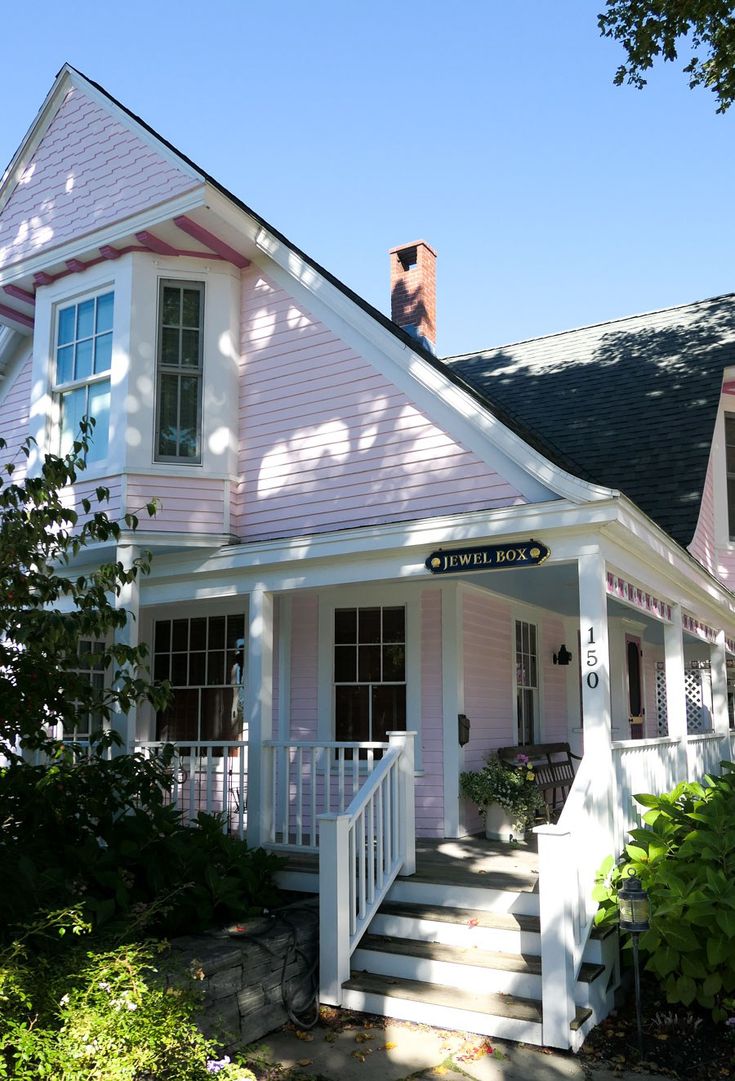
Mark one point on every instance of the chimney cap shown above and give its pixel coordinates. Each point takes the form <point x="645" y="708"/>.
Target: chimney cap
<point x="413" y="244"/>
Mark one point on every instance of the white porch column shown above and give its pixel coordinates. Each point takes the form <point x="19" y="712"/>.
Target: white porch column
<point x="718" y="672"/>
<point x="595" y="659"/>
<point x="129" y="599"/>
<point x="676" y="710"/>
<point x="259" y="715"/>
<point x="452" y="701"/>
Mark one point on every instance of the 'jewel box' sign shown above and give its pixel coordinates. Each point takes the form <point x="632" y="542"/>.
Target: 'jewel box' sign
<point x="490" y="557"/>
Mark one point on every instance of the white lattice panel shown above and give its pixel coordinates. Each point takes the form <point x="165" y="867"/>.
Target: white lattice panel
<point x="662" y="720"/>
<point x="693" y="690"/>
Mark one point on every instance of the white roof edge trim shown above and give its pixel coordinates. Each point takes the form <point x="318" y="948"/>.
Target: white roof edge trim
<point x="566" y="485"/>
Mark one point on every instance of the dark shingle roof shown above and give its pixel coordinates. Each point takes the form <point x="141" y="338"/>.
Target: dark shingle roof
<point x="631" y="404"/>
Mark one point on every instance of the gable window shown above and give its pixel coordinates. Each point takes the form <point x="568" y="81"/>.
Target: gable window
<point x="199" y="657"/>
<point x="83" y="356"/>
<point x="179" y="372"/>
<point x="526" y="658"/>
<point x="730" y="456"/>
<point x="369" y="672"/>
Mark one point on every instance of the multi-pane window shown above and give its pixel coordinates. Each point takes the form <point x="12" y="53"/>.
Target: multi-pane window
<point x="730" y="451"/>
<point x="369" y="672"/>
<point x="526" y="681"/>
<point x="82" y="383"/>
<point x="180" y="351"/>
<point x="92" y="670"/>
<point x="199" y="657"/>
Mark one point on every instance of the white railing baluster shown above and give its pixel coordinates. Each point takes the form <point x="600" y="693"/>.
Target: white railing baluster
<point x="341" y="761"/>
<point x="380" y="835"/>
<point x="299" y="796"/>
<point x="312" y="815"/>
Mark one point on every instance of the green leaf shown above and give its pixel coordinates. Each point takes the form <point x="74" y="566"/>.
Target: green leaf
<point x="686" y="990"/>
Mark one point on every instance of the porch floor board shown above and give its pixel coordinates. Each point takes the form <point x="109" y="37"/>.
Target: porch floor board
<point x="467" y="861"/>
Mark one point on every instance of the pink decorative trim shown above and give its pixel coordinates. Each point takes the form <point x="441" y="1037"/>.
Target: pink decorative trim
<point x="729" y="387"/>
<point x="42" y="278"/>
<point x="697" y="628"/>
<point x="18" y="317"/>
<point x="729" y="644"/>
<point x="108" y="252"/>
<point x="20" y="294"/>
<point x="76" y="265"/>
<point x="198" y="232"/>
<point x="155" y="244"/>
<point x="618" y="587"/>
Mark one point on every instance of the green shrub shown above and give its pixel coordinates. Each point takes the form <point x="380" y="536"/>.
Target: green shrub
<point x="100" y="832"/>
<point x="87" y="1011"/>
<point x="685" y="859"/>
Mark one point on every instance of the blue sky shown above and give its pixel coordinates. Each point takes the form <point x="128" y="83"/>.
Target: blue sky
<point x="490" y="129"/>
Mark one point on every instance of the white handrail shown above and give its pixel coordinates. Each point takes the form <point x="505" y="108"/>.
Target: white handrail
<point x="362" y="851"/>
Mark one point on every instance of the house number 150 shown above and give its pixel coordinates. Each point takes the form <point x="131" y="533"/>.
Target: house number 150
<point x="592" y="677"/>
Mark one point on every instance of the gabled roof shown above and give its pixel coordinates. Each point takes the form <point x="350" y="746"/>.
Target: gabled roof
<point x="631" y="403"/>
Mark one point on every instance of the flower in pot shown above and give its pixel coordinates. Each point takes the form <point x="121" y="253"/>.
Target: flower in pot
<point x="507" y="794"/>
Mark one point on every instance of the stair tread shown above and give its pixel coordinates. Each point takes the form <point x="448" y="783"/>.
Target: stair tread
<point x="498" y="1005"/>
<point x="523" y="1009"/>
<point x="513" y="881"/>
<point x="467" y="955"/>
<point x="504" y="921"/>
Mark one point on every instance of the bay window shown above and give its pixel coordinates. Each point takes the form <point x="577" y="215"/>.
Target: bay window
<point x="83" y="355"/>
<point x="179" y="372"/>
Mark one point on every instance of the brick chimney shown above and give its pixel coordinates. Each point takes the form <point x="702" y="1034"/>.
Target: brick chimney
<point x="413" y="290"/>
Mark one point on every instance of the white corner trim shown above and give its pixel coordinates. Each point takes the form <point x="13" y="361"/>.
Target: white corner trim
<point x="444" y="391"/>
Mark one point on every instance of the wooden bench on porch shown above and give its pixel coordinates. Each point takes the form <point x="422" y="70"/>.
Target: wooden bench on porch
<point x="553" y="764"/>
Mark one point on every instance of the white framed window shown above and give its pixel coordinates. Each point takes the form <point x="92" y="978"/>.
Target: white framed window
<point x="730" y="467"/>
<point x="179" y="372"/>
<point x="199" y="656"/>
<point x="527" y="681"/>
<point x="82" y="360"/>
<point x="369" y="672"/>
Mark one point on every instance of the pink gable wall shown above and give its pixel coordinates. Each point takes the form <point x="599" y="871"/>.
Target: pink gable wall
<point x="14" y="409"/>
<point x="186" y="504"/>
<point x="703" y="542"/>
<point x="326" y="442"/>
<point x="89" y="170"/>
<point x="555" y="717"/>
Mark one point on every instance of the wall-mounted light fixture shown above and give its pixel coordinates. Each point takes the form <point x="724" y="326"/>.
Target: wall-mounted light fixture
<point x="563" y="656"/>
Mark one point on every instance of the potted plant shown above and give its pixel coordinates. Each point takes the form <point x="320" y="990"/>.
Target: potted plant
<point x="506" y="793"/>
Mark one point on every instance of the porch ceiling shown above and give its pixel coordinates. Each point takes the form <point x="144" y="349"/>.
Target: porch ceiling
<point x="552" y="587"/>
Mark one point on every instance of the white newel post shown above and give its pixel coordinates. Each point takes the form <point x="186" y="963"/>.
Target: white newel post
<point x="405" y="740"/>
<point x="334" y="906"/>
<point x="259" y="715"/>
<point x="718" y="671"/>
<point x="676" y="710"/>
<point x="129" y="599"/>
<point x="557" y="934"/>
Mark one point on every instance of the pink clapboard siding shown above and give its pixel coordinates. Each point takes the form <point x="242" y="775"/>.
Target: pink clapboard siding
<point x="89" y="170"/>
<point x="86" y="489"/>
<point x="430" y="786"/>
<point x="488" y="685"/>
<point x="703" y="542"/>
<point x="327" y="442"/>
<point x="555" y="721"/>
<point x="185" y="504"/>
<point x="14" y="412"/>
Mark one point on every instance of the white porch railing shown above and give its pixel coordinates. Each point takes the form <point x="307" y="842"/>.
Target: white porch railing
<point x="641" y="766"/>
<point x="209" y="776"/>
<point x="361" y="852"/>
<point x="310" y="778"/>
<point x="704" y="753"/>
<point x="570" y="853"/>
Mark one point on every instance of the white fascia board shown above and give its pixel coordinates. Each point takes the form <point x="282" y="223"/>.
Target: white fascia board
<point x="507" y="523"/>
<point x="454" y="407"/>
<point x="119" y="230"/>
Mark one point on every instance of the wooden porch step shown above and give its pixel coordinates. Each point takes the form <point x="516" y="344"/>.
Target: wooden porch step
<point x="501" y="921"/>
<point x="502" y="1016"/>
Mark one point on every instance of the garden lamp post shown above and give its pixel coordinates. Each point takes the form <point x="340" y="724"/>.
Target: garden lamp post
<point x="635" y="912"/>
